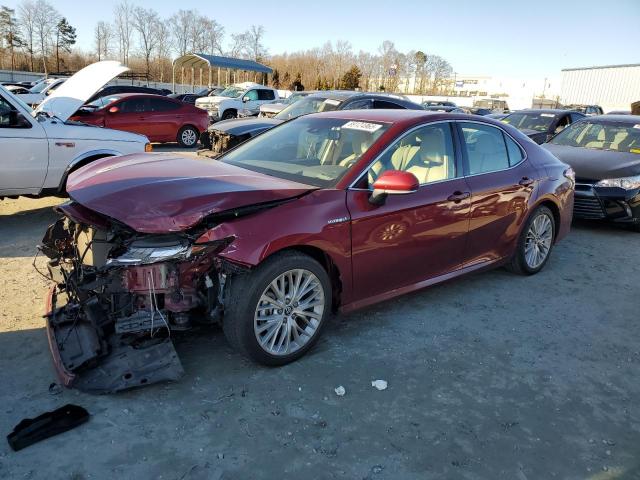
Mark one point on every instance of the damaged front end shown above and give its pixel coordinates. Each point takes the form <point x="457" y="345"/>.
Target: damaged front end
<point x="216" y="142"/>
<point x="120" y="295"/>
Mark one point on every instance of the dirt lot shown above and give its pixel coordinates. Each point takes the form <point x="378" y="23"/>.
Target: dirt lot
<point x="493" y="376"/>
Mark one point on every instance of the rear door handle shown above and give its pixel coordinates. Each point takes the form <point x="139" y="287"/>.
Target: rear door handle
<point x="458" y="196"/>
<point x="526" y="181"/>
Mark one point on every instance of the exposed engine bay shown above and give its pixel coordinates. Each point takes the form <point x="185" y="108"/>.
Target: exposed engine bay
<point x="119" y="296"/>
<point x="216" y="142"/>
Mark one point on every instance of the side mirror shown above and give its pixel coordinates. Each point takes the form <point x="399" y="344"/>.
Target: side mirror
<point x="114" y="110"/>
<point x="245" y="99"/>
<point x="393" y="182"/>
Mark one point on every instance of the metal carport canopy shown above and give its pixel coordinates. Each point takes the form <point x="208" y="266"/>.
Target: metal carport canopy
<point x="202" y="61"/>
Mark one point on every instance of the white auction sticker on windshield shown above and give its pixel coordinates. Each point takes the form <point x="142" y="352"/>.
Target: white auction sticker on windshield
<point x="547" y="115"/>
<point x="364" y="126"/>
<point x="330" y="101"/>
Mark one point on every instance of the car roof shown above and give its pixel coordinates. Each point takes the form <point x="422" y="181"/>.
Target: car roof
<point x="135" y="94"/>
<point x="626" y="119"/>
<point x="404" y="117"/>
<point x="555" y="111"/>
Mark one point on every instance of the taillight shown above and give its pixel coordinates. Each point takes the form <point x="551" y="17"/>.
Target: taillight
<point x="148" y="147"/>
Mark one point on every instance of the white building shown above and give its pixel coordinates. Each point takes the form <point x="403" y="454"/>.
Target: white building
<point x="613" y="87"/>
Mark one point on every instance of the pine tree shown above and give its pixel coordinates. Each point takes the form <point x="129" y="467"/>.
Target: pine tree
<point x="9" y="32"/>
<point x="297" y="85"/>
<point x="351" y="78"/>
<point x="65" y="38"/>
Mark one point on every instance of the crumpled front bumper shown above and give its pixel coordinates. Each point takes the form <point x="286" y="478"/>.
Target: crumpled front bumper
<point x="65" y="376"/>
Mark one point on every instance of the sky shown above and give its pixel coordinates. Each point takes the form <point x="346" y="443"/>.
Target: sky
<point x="492" y="37"/>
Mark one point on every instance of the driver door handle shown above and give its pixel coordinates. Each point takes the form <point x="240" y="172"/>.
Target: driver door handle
<point x="526" y="181"/>
<point x="458" y="196"/>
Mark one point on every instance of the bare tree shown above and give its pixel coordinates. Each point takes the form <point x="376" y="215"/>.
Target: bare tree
<point x="27" y="19"/>
<point x="145" y="21"/>
<point x="103" y="34"/>
<point x="163" y="47"/>
<point x="182" y="25"/>
<point x="45" y="21"/>
<point x="213" y="35"/>
<point x="124" y="28"/>
<point x="249" y="44"/>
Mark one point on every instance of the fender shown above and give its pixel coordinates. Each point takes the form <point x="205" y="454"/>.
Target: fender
<point x="82" y="159"/>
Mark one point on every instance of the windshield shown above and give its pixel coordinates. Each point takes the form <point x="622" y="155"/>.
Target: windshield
<point x="617" y="137"/>
<point x="231" y="92"/>
<point x="308" y="105"/>
<point x="39" y="87"/>
<point x="541" y="122"/>
<point x="313" y="151"/>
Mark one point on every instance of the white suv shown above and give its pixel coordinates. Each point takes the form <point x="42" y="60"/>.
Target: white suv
<point x="40" y="148"/>
<point x="241" y="99"/>
<point x="40" y="91"/>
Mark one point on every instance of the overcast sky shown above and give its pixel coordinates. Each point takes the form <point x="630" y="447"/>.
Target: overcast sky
<point x="492" y="37"/>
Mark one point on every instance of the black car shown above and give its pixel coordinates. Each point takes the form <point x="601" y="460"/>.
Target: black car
<point x="192" y="97"/>
<point x="604" y="152"/>
<point x="541" y="125"/>
<point x="226" y="134"/>
<point x="586" y="109"/>
<point x="110" y="90"/>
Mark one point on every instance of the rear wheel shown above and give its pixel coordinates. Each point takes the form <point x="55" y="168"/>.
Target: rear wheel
<point x="187" y="136"/>
<point x="275" y="314"/>
<point x="535" y="243"/>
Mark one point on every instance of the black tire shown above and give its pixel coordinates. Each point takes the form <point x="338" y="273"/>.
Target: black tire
<point x="242" y="295"/>
<point x="229" y="114"/>
<point x="518" y="263"/>
<point x="188" y="136"/>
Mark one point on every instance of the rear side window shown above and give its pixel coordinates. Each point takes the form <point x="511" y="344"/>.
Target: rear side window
<point x="161" y="105"/>
<point x="485" y="147"/>
<point x="514" y="150"/>
<point x="358" y="105"/>
<point x="386" y="105"/>
<point x="266" y="95"/>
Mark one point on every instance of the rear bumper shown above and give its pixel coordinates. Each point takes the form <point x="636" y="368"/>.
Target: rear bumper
<point x="606" y="203"/>
<point x="66" y="377"/>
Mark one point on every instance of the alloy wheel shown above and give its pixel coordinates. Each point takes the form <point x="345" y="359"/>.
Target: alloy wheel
<point x="189" y="137"/>
<point x="538" y="241"/>
<point x="289" y="312"/>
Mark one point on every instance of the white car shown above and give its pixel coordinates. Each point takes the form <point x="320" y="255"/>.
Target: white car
<point x="270" y="110"/>
<point x="40" y="147"/>
<point x="40" y="91"/>
<point x="241" y="99"/>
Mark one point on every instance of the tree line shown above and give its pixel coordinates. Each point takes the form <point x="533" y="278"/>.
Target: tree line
<point x="36" y="37"/>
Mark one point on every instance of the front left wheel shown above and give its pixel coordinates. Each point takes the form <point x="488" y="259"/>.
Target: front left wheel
<point x="187" y="136"/>
<point x="276" y="313"/>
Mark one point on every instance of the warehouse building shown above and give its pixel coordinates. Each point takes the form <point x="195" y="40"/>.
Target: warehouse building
<point x="613" y="87"/>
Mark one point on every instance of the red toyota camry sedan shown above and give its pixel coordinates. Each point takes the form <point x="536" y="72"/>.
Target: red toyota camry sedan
<point x="331" y="211"/>
<point x="159" y="118"/>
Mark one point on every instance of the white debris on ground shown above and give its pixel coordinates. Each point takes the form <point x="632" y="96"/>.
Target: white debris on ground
<point x="379" y="384"/>
<point x="340" y="391"/>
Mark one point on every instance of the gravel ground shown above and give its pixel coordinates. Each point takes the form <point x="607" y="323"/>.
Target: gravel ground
<point x="492" y="376"/>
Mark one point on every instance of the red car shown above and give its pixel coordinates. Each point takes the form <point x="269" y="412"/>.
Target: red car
<point x="331" y="211"/>
<point x="159" y="118"/>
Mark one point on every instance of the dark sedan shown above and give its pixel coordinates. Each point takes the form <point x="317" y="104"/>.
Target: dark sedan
<point x="226" y="134"/>
<point x="541" y="125"/>
<point x="328" y="212"/>
<point x="110" y="90"/>
<point x="444" y="109"/>
<point x="604" y="152"/>
<point x="192" y="97"/>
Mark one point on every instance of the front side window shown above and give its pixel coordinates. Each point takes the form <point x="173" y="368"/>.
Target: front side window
<point x="251" y="95"/>
<point x="485" y="147"/>
<point x="614" y="136"/>
<point x="135" y="105"/>
<point x="384" y="104"/>
<point x="9" y="116"/>
<point x="426" y="152"/>
<point x="313" y="151"/>
<point x="359" y="105"/>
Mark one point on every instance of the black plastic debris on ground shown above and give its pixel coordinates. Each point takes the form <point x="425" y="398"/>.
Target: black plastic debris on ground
<point x="32" y="430"/>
